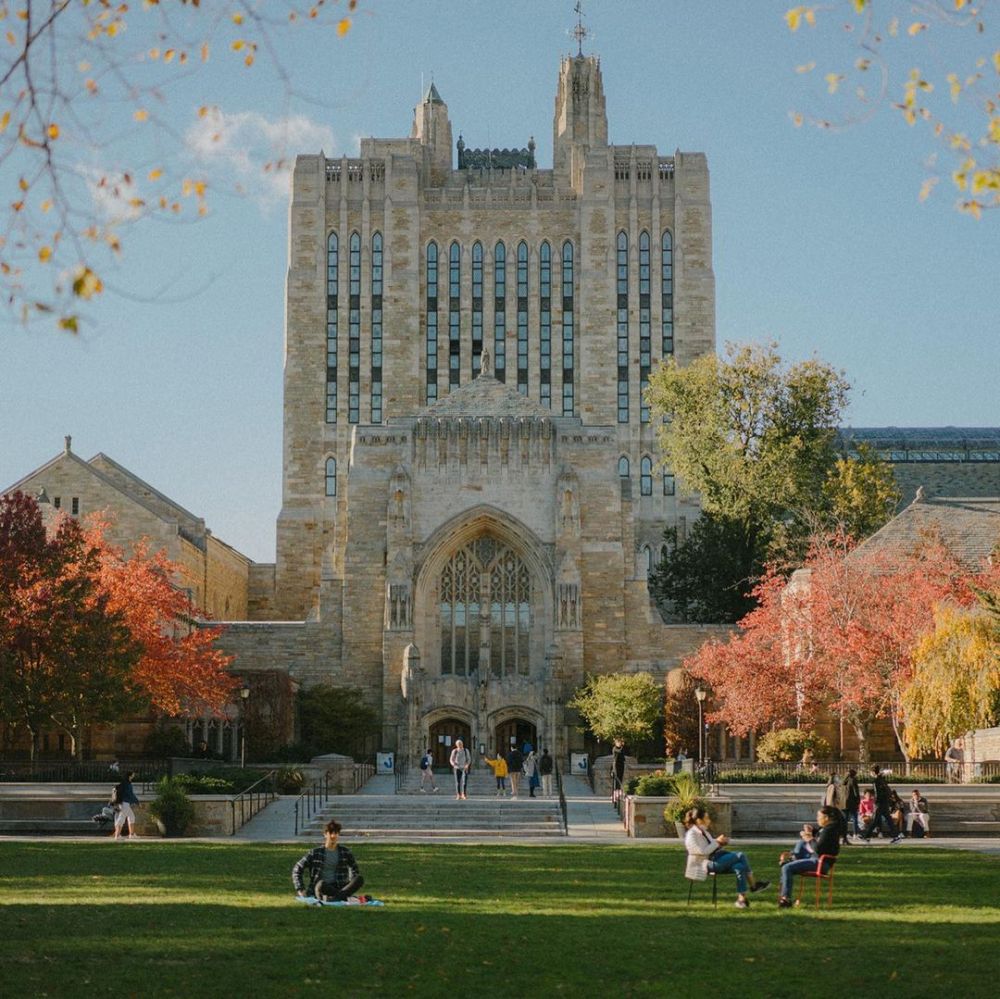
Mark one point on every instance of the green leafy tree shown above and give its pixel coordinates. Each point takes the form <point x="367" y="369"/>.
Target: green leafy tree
<point x="620" y="706"/>
<point x="336" y="720"/>
<point x="861" y="493"/>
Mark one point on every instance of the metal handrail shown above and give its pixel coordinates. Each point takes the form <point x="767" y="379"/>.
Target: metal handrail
<point x="253" y="799"/>
<point x="562" y="798"/>
<point x="362" y="771"/>
<point x="402" y="772"/>
<point x="311" y="800"/>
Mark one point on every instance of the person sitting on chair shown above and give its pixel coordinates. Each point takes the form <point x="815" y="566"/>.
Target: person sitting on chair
<point x="331" y="868"/>
<point x="706" y="855"/>
<point x="826" y="843"/>
<point x="918" y="812"/>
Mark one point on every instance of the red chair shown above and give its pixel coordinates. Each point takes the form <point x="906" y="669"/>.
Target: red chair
<point x="818" y="876"/>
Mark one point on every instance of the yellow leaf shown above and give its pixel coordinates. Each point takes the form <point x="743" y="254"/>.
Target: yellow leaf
<point x="833" y="81"/>
<point x="169" y="55"/>
<point x="859" y="5"/>
<point x="46" y="205"/>
<point x="70" y="323"/>
<point x="44" y="254"/>
<point x="959" y="4"/>
<point x="155" y="174"/>
<point x="4" y="121"/>
<point x="248" y="59"/>
<point x="238" y="44"/>
<point x="996" y="60"/>
<point x="154" y="53"/>
<point x="994" y="132"/>
<point x="806" y="67"/>
<point x="955" y="86"/>
<point x="141" y="114"/>
<point x="928" y="186"/>
<point x="237" y="18"/>
<point x="86" y="284"/>
<point x="53" y="131"/>
<point x="972" y="208"/>
<point x="797" y="119"/>
<point x="343" y="26"/>
<point x="202" y="111"/>
<point x="23" y="184"/>
<point x="204" y="51"/>
<point x="916" y="28"/>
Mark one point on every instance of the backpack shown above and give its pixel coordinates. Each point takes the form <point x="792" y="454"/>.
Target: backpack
<point x="424" y="762"/>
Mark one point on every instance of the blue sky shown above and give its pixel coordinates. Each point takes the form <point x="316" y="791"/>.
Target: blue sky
<point x="820" y="240"/>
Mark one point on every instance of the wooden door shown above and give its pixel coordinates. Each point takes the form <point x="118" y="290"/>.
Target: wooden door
<point x="443" y="735"/>
<point x="515" y="732"/>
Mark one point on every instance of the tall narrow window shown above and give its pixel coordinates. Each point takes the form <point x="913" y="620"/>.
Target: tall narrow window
<point x="646" y="476"/>
<point x="567" y="328"/>
<point x="331" y="476"/>
<point x="377" y="328"/>
<point x="477" y="307"/>
<point x="454" y="315"/>
<point x="623" y="467"/>
<point x="500" y="312"/>
<point x="667" y="291"/>
<point x="622" y="284"/>
<point x="332" y="267"/>
<point x="645" y="344"/>
<point x="522" y="317"/>
<point x="432" y="323"/>
<point x="354" y="333"/>
<point x="669" y="485"/>
<point x="647" y="558"/>
<point x="545" y="325"/>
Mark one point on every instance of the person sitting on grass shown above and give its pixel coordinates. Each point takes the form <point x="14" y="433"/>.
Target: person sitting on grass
<point x="706" y="855"/>
<point x="918" y="814"/>
<point x="331" y="870"/>
<point x="824" y="844"/>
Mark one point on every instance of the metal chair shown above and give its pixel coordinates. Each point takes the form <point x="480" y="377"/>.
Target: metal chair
<point x="715" y="888"/>
<point x="823" y="872"/>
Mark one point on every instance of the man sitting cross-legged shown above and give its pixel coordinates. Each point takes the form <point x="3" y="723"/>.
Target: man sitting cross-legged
<point x="331" y="871"/>
<point x="812" y="847"/>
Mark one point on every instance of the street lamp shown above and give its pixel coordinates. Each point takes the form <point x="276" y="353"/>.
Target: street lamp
<point x="700" y="694"/>
<point x="245" y="697"/>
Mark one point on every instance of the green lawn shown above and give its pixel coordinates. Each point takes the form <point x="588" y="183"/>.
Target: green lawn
<point x="154" y="918"/>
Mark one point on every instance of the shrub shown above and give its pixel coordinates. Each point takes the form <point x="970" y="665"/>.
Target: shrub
<point x="289" y="780"/>
<point x="336" y="720"/>
<point x="655" y="785"/>
<point x="991" y="779"/>
<point x="171" y="807"/>
<point x="204" y="784"/>
<point x="775" y="776"/>
<point x="686" y="795"/>
<point x="789" y="745"/>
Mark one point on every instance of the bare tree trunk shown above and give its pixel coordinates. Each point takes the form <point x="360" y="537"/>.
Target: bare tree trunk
<point x="861" y="731"/>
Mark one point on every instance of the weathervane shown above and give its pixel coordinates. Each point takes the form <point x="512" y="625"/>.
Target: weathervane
<point x="579" y="32"/>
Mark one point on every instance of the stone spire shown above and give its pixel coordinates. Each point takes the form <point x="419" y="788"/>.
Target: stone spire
<point x="581" y="120"/>
<point x="432" y="128"/>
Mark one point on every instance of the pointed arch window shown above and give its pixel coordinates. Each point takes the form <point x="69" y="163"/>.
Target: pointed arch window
<point x="568" y="333"/>
<point x="522" y="317"/>
<point x="667" y="292"/>
<point x="647" y="559"/>
<point x="500" y="312"/>
<point x="477" y="307"/>
<point x="645" y="343"/>
<point x="454" y="315"/>
<point x="623" y="467"/>
<point x="484" y="594"/>
<point x="646" y="476"/>
<point x="354" y="333"/>
<point x="622" y="288"/>
<point x="431" y="332"/>
<point x="332" y="273"/>
<point x="545" y="325"/>
<point x="669" y="484"/>
<point x="331" y="477"/>
<point x="376" y="307"/>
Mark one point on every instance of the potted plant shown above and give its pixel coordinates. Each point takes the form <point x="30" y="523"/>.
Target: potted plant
<point x="171" y="808"/>
<point x="687" y="794"/>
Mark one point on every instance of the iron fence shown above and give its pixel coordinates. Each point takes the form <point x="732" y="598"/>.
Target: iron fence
<point x="928" y="771"/>
<point x="85" y="772"/>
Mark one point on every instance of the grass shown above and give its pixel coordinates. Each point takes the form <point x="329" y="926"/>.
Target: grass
<point x="195" y="919"/>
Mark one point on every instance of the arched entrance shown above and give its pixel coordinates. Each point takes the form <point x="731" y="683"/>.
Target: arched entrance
<point x="515" y="732"/>
<point x="443" y="735"/>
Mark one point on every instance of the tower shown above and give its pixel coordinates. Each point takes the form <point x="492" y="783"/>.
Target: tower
<point x="432" y="129"/>
<point x="581" y="121"/>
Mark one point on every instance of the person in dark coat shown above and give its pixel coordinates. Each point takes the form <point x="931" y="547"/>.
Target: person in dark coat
<point x="883" y="807"/>
<point x="852" y="802"/>
<point x="329" y="872"/>
<point x="825" y="843"/>
<point x="618" y="754"/>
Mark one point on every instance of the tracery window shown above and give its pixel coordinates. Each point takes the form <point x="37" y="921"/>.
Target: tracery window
<point x="545" y="325"/>
<point x="454" y="314"/>
<point x="485" y="584"/>
<point x="332" y="267"/>
<point x="432" y="322"/>
<point x="331" y="476"/>
<point x="567" y="328"/>
<point x="376" y="304"/>
<point x="500" y="312"/>
<point x="522" y="317"/>
<point x="646" y="476"/>
<point x="477" y="307"/>
<point x="354" y="333"/>
<point x="645" y="345"/>
<point x="667" y="292"/>
<point x="622" y="285"/>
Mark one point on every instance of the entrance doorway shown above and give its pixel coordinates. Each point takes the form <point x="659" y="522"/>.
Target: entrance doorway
<point x="444" y="734"/>
<point x="516" y="732"/>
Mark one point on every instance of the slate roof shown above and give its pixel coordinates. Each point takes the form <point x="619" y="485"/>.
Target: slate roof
<point x="969" y="527"/>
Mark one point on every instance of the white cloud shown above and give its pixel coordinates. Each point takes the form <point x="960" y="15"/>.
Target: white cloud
<point x="253" y="153"/>
<point x="114" y="195"/>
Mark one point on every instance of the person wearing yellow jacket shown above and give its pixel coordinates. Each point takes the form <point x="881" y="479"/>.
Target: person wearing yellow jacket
<point x="499" y="768"/>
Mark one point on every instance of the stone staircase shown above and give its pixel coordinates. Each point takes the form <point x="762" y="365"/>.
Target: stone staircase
<point x="413" y="815"/>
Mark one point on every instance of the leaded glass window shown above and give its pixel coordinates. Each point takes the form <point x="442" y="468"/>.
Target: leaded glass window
<point x="522" y="317"/>
<point x="545" y="325"/>
<point x="354" y="333"/>
<point x="500" y="312"/>
<point x="645" y="345"/>
<point x="667" y="292"/>
<point x="646" y="476"/>
<point x="622" y="287"/>
<point x="477" y="307"/>
<point x="485" y="608"/>
<point x="623" y="467"/>
<point x="567" y="328"/>
<point x="432" y="322"/>
<point x="454" y="315"/>
<point x="332" y="271"/>
<point x="376" y="327"/>
<point x="331" y="476"/>
<point x="669" y="484"/>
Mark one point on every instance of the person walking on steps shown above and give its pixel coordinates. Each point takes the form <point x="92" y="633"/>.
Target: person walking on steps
<point x="427" y="773"/>
<point x="515" y="763"/>
<point x="460" y="761"/>
<point x="545" y="767"/>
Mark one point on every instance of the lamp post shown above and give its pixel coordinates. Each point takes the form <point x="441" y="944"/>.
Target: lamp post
<point x="244" y="697"/>
<point x="700" y="694"/>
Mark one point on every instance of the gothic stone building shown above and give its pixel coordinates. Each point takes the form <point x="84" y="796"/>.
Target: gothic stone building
<point x="472" y="496"/>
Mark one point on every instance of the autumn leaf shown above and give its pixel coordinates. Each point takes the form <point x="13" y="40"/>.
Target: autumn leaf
<point x="141" y="114"/>
<point x="343" y="26"/>
<point x="86" y="283"/>
<point x="916" y="28"/>
<point x="45" y="254"/>
<point x="833" y="81"/>
<point x="70" y="323"/>
<point x="53" y="131"/>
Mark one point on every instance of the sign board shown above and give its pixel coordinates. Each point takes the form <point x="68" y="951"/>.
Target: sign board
<point x="385" y="763"/>
<point x="579" y="763"/>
